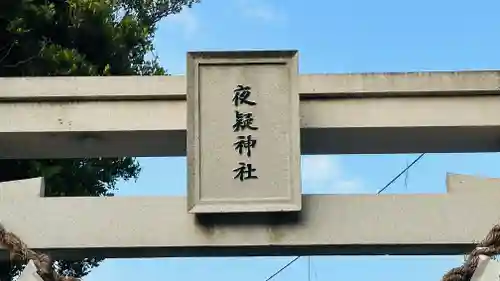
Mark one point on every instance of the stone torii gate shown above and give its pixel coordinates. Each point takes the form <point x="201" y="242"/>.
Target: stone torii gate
<point x="61" y="117"/>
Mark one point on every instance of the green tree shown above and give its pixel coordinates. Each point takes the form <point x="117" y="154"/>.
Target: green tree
<point x="78" y="38"/>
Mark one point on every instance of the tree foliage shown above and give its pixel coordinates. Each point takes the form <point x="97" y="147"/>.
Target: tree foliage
<point x="78" y="38"/>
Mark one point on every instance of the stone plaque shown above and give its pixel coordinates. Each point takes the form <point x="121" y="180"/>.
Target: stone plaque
<point x="243" y="133"/>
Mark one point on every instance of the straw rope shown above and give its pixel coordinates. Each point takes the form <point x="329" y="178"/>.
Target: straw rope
<point x="18" y="250"/>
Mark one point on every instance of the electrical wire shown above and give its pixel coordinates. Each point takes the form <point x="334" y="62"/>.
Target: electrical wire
<point x="401" y="173"/>
<point x="378" y="192"/>
<point x="309" y="268"/>
<point x="283" y="268"/>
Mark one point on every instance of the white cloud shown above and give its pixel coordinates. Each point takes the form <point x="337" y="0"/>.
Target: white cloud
<point x="324" y="174"/>
<point x="319" y="168"/>
<point x="187" y="21"/>
<point x="260" y="10"/>
<point x="345" y="186"/>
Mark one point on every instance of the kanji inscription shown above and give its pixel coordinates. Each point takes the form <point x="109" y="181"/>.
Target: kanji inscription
<point x="243" y="132"/>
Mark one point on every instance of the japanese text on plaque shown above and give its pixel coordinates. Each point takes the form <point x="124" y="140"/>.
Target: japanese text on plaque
<point x="244" y="125"/>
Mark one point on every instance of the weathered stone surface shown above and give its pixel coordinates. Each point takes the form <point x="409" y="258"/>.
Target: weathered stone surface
<point x="243" y="132"/>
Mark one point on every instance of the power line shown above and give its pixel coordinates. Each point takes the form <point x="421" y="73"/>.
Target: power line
<point x="401" y="173"/>
<point x="380" y="191"/>
<point x="283" y="268"/>
<point x="309" y="268"/>
<point x="313" y="270"/>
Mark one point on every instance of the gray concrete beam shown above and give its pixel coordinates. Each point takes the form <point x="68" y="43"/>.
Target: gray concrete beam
<point x="335" y="224"/>
<point x="60" y="117"/>
<point x="310" y="85"/>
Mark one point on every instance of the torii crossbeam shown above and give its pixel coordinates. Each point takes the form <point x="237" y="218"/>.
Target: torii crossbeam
<point x="146" y="116"/>
<point x="60" y="117"/>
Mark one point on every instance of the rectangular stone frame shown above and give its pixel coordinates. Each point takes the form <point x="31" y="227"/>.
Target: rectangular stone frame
<point x="194" y="59"/>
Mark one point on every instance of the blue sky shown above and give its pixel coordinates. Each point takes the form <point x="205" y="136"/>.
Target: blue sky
<point x="332" y="37"/>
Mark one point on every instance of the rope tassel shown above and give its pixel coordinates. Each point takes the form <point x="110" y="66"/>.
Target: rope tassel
<point x="18" y="250"/>
<point x="489" y="246"/>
